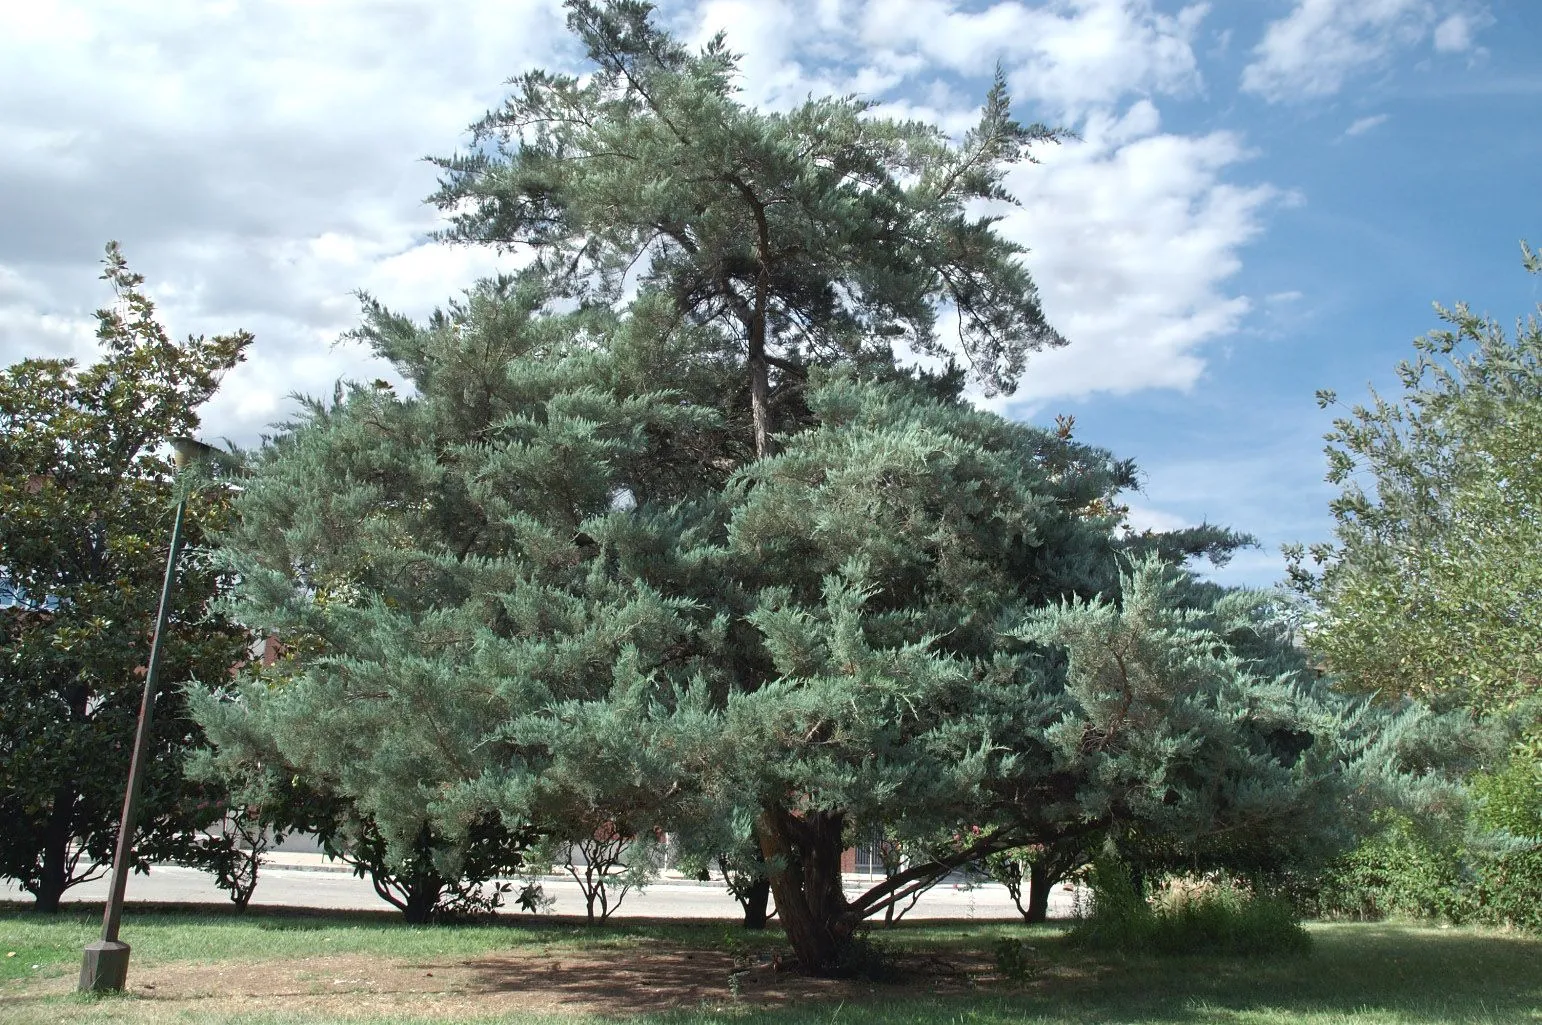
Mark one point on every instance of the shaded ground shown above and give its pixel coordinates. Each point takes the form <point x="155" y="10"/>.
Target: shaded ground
<point x="620" y="982"/>
<point x="308" y="968"/>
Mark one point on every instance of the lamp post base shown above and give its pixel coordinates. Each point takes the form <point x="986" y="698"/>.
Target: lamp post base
<point x="105" y="968"/>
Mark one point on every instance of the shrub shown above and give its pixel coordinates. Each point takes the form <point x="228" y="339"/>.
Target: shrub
<point x="1492" y="874"/>
<point x="1402" y="870"/>
<point x="1211" y="917"/>
<point x="1509" y="874"/>
<point x="1014" y="959"/>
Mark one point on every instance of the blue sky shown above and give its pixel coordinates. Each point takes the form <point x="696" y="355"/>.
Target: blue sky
<point x="1264" y="199"/>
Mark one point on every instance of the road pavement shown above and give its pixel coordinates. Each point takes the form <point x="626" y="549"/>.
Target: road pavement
<point x="299" y="881"/>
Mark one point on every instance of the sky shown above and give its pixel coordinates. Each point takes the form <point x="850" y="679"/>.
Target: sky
<point x="1261" y="198"/>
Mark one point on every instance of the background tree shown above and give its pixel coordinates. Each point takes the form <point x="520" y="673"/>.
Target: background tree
<point x="822" y="235"/>
<point x="1432" y="588"/>
<point x="86" y="498"/>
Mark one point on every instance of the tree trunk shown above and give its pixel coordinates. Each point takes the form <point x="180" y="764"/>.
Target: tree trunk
<point x="760" y="375"/>
<point x="54" y="878"/>
<point x="803" y="855"/>
<point x="422" y="898"/>
<point x="1039" y="884"/>
<point x="757" y="901"/>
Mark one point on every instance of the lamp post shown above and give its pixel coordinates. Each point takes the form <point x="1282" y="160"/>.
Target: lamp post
<point x="105" y="967"/>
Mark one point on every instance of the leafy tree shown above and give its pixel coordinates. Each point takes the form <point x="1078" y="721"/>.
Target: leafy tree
<point x="568" y="581"/>
<point x="818" y="235"/>
<point x="1432" y="587"/>
<point x="1431" y="591"/>
<point x="431" y="562"/>
<point x="86" y="498"/>
<point x="907" y="559"/>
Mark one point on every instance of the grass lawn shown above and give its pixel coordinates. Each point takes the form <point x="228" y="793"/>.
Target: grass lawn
<point x="271" y="967"/>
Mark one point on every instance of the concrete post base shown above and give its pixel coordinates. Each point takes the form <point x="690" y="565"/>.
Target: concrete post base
<point x="105" y="969"/>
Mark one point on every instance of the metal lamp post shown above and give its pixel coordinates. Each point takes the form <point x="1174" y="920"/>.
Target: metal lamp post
<point x="105" y="968"/>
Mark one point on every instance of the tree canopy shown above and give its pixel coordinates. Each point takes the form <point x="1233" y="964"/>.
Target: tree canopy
<point x="667" y="537"/>
<point x="525" y="590"/>
<point x="1432" y="588"/>
<point x="86" y="498"/>
<point x="817" y="235"/>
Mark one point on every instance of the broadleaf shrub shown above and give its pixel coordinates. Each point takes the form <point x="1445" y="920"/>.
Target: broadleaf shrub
<point x="1492" y="874"/>
<point x="1400" y="871"/>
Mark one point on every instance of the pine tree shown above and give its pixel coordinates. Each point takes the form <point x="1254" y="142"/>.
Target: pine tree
<point x="434" y="563"/>
<point x="86" y="503"/>
<point x="820" y="235"/>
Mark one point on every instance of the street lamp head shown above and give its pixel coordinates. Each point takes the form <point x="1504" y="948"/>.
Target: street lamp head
<point x="186" y="451"/>
<point x="218" y="463"/>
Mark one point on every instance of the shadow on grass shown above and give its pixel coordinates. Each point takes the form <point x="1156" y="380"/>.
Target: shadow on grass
<point x="1357" y="973"/>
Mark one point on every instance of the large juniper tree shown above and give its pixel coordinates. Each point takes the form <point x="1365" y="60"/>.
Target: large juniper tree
<point x="569" y="578"/>
<point x="953" y="644"/>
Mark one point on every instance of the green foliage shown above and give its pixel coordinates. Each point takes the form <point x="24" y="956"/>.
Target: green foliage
<point x="1507" y="860"/>
<point x="1215" y="918"/>
<point x="1014" y="959"/>
<point x="818" y="235"/>
<point x="1400" y="870"/>
<point x="567" y="582"/>
<point x="1491" y="871"/>
<point x="1431" y="589"/>
<point x="86" y="505"/>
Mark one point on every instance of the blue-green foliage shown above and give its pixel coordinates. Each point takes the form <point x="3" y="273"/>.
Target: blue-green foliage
<point x="602" y="569"/>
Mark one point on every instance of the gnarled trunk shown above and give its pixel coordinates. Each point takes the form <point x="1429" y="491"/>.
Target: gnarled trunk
<point x="803" y="855"/>
<point x="422" y="900"/>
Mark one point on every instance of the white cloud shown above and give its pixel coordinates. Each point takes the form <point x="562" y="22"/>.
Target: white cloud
<point x="258" y="163"/>
<point x="1069" y="55"/>
<point x="1143" y="517"/>
<point x="1365" y="124"/>
<point x="1320" y="44"/>
<point x="1454" y="34"/>
<point x="1133" y="234"/>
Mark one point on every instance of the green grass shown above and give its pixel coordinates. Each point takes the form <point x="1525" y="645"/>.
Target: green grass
<point x="1357" y="974"/>
<point x="160" y="933"/>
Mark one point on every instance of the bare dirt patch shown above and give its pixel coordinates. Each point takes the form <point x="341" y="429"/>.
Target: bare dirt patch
<point x="613" y="983"/>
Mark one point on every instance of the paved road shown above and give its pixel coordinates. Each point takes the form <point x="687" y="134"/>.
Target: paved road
<point x="333" y="889"/>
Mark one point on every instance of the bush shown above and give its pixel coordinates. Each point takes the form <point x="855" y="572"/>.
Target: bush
<point x="1014" y="959"/>
<point x="1509" y="876"/>
<point x="1402" y="870"/>
<point x="1208" y="918"/>
<point x="1492" y="875"/>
